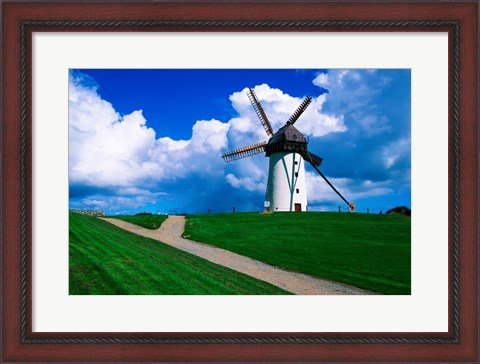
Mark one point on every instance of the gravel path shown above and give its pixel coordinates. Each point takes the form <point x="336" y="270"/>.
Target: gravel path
<point x="170" y="232"/>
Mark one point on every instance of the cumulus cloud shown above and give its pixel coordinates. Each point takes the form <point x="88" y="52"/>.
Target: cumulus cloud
<point x="278" y="107"/>
<point x="110" y="150"/>
<point x="321" y="80"/>
<point x="247" y="183"/>
<point x="105" y="149"/>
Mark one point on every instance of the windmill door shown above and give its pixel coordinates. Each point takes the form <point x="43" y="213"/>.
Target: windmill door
<point x="298" y="207"/>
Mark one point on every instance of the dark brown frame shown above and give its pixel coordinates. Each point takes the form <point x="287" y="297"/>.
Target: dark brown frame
<point x="20" y="19"/>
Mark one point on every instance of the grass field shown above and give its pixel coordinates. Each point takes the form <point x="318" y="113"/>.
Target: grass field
<point x="365" y="250"/>
<point x="106" y="260"/>
<point x="151" y="222"/>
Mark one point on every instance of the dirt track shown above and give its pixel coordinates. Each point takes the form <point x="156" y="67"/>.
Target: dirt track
<point x="171" y="233"/>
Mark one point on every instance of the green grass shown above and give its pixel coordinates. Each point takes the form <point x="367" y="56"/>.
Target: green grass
<point x="364" y="250"/>
<point x="151" y="222"/>
<point x="106" y="260"/>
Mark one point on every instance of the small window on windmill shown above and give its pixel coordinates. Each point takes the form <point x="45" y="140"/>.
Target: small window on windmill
<point x="296" y="162"/>
<point x="298" y="191"/>
<point x="296" y="174"/>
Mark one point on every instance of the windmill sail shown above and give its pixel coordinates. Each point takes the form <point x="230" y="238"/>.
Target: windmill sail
<point x="243" y="152"/>
<point x="312" y="158"/>
<point x="301" y="108"/>
<point x="259" y="110"/>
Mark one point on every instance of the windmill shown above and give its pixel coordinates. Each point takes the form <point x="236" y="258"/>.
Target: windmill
<point x="287" y="152"/>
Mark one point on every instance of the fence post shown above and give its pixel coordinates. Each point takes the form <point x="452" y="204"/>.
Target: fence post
<point x="368" y="210"/>
<point x="339" y="209"/>
<point x="234" y="210"/>
<point x="209" y="211"/>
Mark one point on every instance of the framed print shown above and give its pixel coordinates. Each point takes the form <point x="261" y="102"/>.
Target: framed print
<point x="124" y="231"/>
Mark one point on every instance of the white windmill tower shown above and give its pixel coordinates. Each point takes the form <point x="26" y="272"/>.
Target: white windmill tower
<point x="287" y="152"/>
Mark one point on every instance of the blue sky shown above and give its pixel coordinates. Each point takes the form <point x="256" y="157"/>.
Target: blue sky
<point x="151" y="140"/>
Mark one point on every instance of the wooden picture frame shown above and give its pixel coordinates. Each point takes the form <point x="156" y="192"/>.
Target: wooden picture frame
<point x="20" y="19"/>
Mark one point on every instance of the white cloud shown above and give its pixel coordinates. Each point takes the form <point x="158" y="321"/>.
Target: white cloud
<point x="123" y="198"/>
<point x="395" y="150"/>
<point x="105" y="149"/>
<point x="209" y="136"/>
<point x="108" y="150"/>
<point x="246" y="183"/>
<point x="318" y="191"/>
<point x="278" y="107"/>
<point x="321" y="80"/>
<point x="134" y="191"/>
<point x="109" y="203"/>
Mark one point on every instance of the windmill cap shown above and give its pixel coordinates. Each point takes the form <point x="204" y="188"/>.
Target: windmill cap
<point x="287" y="138"/>
<point x="288" y="134"/>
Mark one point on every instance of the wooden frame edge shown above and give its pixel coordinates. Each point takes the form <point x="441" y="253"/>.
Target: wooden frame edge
<point x="18" y="342"/>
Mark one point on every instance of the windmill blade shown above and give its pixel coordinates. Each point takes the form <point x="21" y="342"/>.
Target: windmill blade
<point x="301" y="108"/>
<point x="259" y="110"/>
<point x="351" y="206"/>
<point x="239" y="153"/>
<point x="312" y="158"/>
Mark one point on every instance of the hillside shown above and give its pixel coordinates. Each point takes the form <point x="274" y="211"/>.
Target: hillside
<point x="365" y="250"/>
<point x="106" y="260"/>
